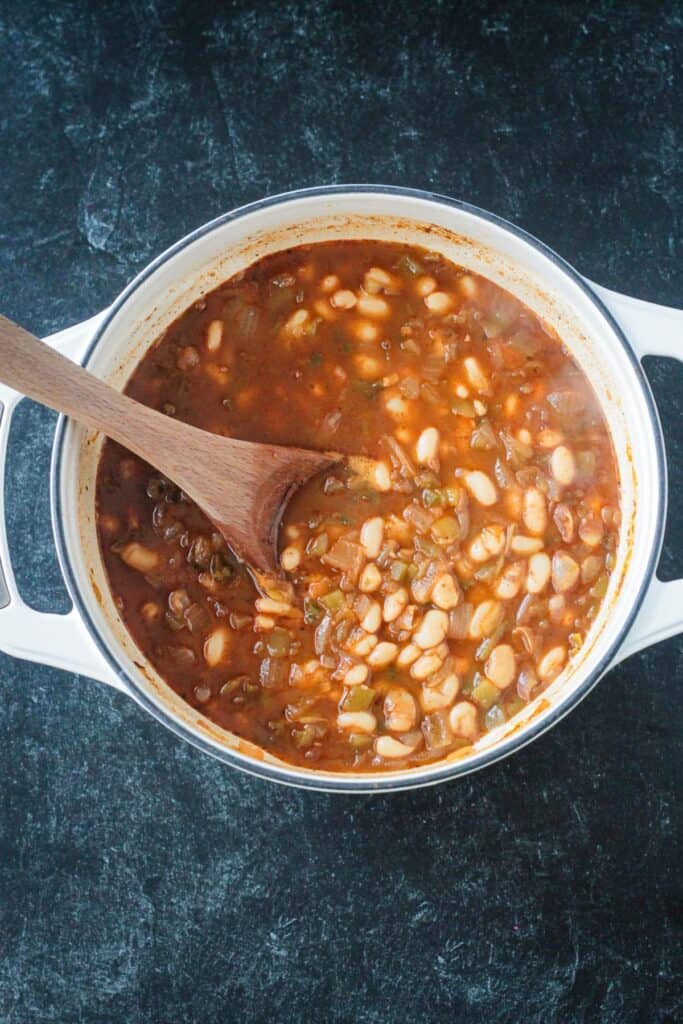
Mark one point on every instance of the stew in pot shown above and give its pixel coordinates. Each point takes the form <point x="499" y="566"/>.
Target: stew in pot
<point x="426" y="598"/>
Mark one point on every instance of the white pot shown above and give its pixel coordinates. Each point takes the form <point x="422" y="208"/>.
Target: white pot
<point x="607" y="333"/>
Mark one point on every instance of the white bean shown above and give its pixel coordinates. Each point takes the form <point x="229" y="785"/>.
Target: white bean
<point x="463" y="720"/>
<point x="487" y="544"/>
<point x="487" y="616"/>
<point x="427" y="447"/>
<point x="373" y="306"/>
<point x="356" y="675"/>
<point x="475" y="375"/>
<point x="591" y="529"/>
<point x="376" y="279"/>
<point x="382" y="477"/>
<point x="150" y="611"/>
<point x="481" y="487"/>
<point x="522" y="545"/>
<point x="425" y="285"/>
<point x="590" y="568"/>
<point x="439" y="302"/>
<point x="432" y="630"/>
<point x="425" y="665"/>
<point x="539" y="573"/>
<point x="290" y="558"/>
<point x="549" y="438"/>
<point x="137" y="556"/>
<point x="343" y="299"/>
<point x="534" y="512"/>
<point x="371" y="536"/>
<point x="446" y="592"/>
<point x="372" y="619"/>
<point x="295" y="323"/>
<point x="468" y="286"/>
<point x="440" y="696"/>
<point x="216" y="646"/>
<point x="510" y="581"/>
<point x="556" y="607"/>
<point x="329" y="283"/>
<point x="565" y="572"/>
<point x="396" y="405"/>
<point x="357" y="721"/>
<point x="383" y="654"/>
<point x="370" y="579"/>
<point x="214" y="335"/>
<point x="364" y="330"/>
<point x="395" y="604"/>
<point x="362" y="643"/>
<point x="551" y="663"/>
<point x="400" y="710"/>
<point x="501" y="666"/>
<point x="367" y="367"/>
<point x="391" y="748"/>
<point x="407" y="655"/>
<point x="269" y="606"/>
<point x="562" y="465"/>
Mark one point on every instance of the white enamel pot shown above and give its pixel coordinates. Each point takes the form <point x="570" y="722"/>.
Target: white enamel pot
<point x="608" y="334"/>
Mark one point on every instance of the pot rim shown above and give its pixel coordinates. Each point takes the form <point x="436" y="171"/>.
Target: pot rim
<point x="408" y="778"/>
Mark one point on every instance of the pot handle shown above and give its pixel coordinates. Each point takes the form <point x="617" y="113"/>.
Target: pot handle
<point x="59" y="640"/>
<point x="652" y="330"/>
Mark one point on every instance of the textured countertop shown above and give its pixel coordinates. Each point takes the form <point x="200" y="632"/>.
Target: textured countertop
<point x="141" y="882"/>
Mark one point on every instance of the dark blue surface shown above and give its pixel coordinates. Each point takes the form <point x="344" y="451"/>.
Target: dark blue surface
<point x="142" y="882"/>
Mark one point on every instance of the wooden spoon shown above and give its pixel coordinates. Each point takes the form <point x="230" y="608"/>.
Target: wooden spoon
<point x="242" y="486"/>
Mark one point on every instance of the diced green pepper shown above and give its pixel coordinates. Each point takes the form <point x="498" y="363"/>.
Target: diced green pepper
<point x="599" y="588"/>
<point x="360" y="740"/>
<point x="399" y="571"/>
<point x="277" y="643"/>
<point x="313" y="613"/>
<point x="359" y="698"/>
<point x="431" y="497"/>
<point x="485" y="693"/>
<point x="318" y="545"/>
<point x="410" y="265"/>
<point x="304" y="738"/>
<point x="334" y="601"/>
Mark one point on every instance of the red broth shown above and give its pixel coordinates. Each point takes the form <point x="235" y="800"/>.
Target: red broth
<point x="426" y="596"/>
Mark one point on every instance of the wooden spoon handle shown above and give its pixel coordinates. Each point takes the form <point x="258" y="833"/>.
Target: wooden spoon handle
<point x="41" y="373"/>
<point x="240" y="485"/>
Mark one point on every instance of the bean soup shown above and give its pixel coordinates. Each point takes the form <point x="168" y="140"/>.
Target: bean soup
<point x="428" y="592"/>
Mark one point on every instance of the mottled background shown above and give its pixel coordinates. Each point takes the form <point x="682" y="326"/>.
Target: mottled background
<point x="141" y="882"/>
